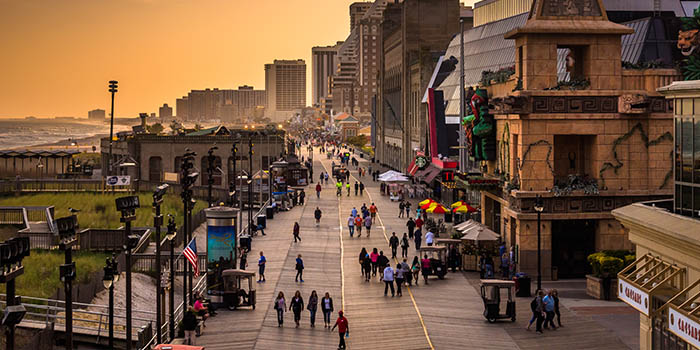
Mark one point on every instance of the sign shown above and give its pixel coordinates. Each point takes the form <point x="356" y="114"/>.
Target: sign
<point x="633" y="296"/>
<point x="684" y="327"/>
<point x="171" y="177"/>
<point x="118" y="180"/>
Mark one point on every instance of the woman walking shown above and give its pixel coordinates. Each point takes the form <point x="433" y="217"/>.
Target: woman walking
<point x="373" y="256"/>
<point x="404" y="245"/>
<point x="399" y="277"/>
<point x="296" y="306"/>
<point x="367" y="267"/>
<point x="327" y="309"/>
<point x="368" y="225"/>
<point x="280" y="306"/>
<point x="295" y="231"/>
<point x="312" y="306"/>
<point x="363" y="255"/>
<point x="425" y="265"/>
<point x="555" y="296"/>
<point x="415" y="269"/>
<point x="417" y="237"/>
<point x="300" y="269"/>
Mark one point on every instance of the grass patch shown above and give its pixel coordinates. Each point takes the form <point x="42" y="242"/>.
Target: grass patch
<point x="40" y="278"/>
<point x="98" y="210"/>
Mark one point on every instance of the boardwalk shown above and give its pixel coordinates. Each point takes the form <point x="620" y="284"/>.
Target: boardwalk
<point x="447" y="314"/>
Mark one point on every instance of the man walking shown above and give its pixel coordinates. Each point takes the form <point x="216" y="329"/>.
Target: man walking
<point x="362" y="188"/>
<point x="357" y="187"/>
<point x="343" y="329"/>
<point x="401" y="208"/>
<point x="388" y="279"/>
<point x="347" y="186"/>
<point x="317" y="216"/>
<point x="318" y="188"/>
<point x="261" y="267"/>
<point x="411" y="225"/>
<point x="300" y="269"/>
<point x="351" y="225"/>
<point x="302" y="195"/>
<point x="429" y="238"/>
<point x="394" y="244"/>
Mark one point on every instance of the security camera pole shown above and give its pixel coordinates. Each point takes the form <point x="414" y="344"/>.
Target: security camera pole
<point x="66" y="233"/>
<point x="127" y="206"/>
<point x="11" y="254"/>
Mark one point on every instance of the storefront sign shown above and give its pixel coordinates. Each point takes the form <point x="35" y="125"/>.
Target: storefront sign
<point x="683" y="327"/>
<point x="633" y="296"/>
<point x="118" y="180"/>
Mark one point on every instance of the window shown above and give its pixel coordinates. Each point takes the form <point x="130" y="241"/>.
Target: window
<point x="155" y="169"/>
<point x="687" y="156"/>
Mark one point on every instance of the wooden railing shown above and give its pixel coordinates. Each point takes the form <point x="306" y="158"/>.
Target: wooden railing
<point x="100" y="240"/>
<point x="147" y="262"/>
<point x="22" y="215"/>
<point x="648" y="79"/>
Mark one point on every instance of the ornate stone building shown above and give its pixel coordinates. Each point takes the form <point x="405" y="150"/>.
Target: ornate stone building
<point x="596" y="138"/>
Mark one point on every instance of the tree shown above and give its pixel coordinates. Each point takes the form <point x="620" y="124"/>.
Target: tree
<point x="175" y="127"/>
<point x="156" y="128"/>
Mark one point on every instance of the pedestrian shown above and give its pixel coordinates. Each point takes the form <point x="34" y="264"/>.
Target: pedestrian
<point x="548" y="301"/>
<point x="417" y="238"/>
<point x="296" y="305"/>
<point x="408" y="208"/>
<point x="419" y="223"/>
<point x="388" y="278"/>
<point x="373" y="210"/>
<point x="302" y="196"/>
<point x="368" y="225"/>
<point x="533" y="308"/>
<point x="318" y="188"/>
<point x="339" y="188"/>
<point x="280" y="306"/>
<point x="343" y="329"/>
<point x="327" y="309"/>
<point x="357" y="187"/>
<point x="429" y="236"/>
<point x="362" y="188"/>
<point x="426" y="269"/>
<point x="399" y="277"/>
<point x="351" y="225"/>
<point x="407" y="275"/>
<point x="317" y="216"/>
<point x="200" y="309"/>
<point x="401" y="208"/>
<point x="312" y="306"/>
<point x="404" y="245"/>
<point x="295" y="231"/>
<point x="300" y="269"/>
<point x="261" y="267"/>
<point x="353" y="212"/>
<point x="415" y="269"/>
<point x="366" y="267"/>
<point x="555" y="296"/>
<point x="326" y="177"/>
<point x="411" y="225"/>
<point x="358" y="225"/>
<point x="394" y="244"/>
<point x="363" y="254"/>
<point x="189" y="325"/>
<point x="320" y="179"/>
<point x="540" y="311"/>
<point x="373" y="256"/>
<point x="382" y="262"/>
<point x="347" y="186"/>
<point x="244" y="260"/>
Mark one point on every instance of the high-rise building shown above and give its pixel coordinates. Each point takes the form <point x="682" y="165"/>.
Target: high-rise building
<point x="96" y="114"/>
<point x="323" y="64"/>
<point x="285" y="85"/>
<point x="357" y="11"/>
<point x="165" y="111"/>
<point x="225" y="105"/>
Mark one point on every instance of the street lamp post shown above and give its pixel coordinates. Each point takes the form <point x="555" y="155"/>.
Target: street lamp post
<point x="539" y="208"/>
<point x="127" y="206"/>
<point x="111" y="276"/>
<point x="210" y="173"/>
<point x="113" y="90"/>
<point x="67" y="239"/>
<point x="250" y="184"/>
<point x="232" y="183"/>
<point x="172" y="232"/>
<point x="187" y="180"/>
<point x="157" y="223"/>
<point x="11" y="254"/>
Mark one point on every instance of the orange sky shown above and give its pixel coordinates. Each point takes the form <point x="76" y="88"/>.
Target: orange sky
<point x="57" y="56"/>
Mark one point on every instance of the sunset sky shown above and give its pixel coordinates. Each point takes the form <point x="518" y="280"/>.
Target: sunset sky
<point x="57" y="56"/>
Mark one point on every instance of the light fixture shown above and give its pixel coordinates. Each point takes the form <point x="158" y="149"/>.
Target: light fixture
<point x="108" y="278"/>
<point x="539" y="205"/>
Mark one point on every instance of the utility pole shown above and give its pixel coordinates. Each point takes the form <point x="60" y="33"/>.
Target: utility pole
<point x="250" y="184"/>
<point x="462" y="134"/>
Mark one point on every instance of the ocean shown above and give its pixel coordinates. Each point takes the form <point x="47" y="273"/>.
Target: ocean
<point x="18" y="133"/>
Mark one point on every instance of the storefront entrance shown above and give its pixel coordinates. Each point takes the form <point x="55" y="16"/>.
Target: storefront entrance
<point x="572" y="242"/>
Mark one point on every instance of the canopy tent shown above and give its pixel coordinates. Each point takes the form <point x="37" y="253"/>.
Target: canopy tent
<point x="465" y="225"/>
<point x="428" y="205"/>
<point x="390" y="173"/>
<point x="394" y="178"/>
<point x="437" y="209"/>
<point x="458" y="204"/>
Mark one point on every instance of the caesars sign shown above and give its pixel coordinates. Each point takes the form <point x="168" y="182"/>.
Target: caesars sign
<point x="634" y="296"/>
<point x="684" y="327"/>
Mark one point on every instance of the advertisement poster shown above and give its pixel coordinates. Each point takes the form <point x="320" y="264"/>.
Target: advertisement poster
<point x="221" y="245"/>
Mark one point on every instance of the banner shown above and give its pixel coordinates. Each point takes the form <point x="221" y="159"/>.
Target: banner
<point x="633" y="296"/>
<point x="124" y="180"/>
<point x="684" y="327"/>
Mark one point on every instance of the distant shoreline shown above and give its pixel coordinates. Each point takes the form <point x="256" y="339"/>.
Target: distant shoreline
<point x="82" y="144"/>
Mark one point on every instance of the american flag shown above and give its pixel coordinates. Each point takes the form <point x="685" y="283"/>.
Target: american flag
<point x="190" y="254"/>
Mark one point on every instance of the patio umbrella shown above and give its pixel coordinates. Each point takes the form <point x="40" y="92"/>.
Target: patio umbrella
<point x="394" y="178"/>
<point x="428" y="205"/>
<point x="480" y="233"/>
<point x="466" y="208"/>
<point x="437" y="209"/>
<point x="457" y="204"/>
<point x="426" y="201"/>
<point x="461" y="226"/>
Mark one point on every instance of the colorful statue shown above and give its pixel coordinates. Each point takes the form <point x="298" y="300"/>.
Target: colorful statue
<point x="688" y="43"/>
<point x="479" y="126"/>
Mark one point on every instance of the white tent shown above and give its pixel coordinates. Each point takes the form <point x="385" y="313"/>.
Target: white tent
<point x="394" y="178"/>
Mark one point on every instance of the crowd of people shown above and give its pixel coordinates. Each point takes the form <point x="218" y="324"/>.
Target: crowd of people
<point x="545" y="306"/>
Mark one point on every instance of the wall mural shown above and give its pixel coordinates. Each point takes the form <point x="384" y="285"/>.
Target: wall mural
<point x="688" y="43"/>
<point x="479" y="126"/>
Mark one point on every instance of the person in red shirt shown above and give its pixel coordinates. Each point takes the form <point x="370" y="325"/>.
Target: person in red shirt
<point x="343" y="328"/>
<point x="419" y="223"/>
<point x="318" y="190"/>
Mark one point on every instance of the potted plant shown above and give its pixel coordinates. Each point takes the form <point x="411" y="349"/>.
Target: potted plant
<point x="601" y="283"/>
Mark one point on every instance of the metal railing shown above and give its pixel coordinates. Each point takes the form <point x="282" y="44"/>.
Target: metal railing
<point x="260" y="211"/>
<point x="23" y="215"/>
<point x="147" y="262"/>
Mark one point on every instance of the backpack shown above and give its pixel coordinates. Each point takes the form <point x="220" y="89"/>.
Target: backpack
<point x="533" y="304"/>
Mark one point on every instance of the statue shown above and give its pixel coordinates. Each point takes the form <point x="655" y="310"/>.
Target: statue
<point x="688" y="43"/>
<point x="479" y="126"/>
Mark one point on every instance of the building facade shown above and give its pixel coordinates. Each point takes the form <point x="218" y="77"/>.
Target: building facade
<point x="597" y="139"/>
<point x="165" y="112"/>
<point x="664" y="283"/>
<point x="226" y="105"/>
<point x="285" y="84"/>
<point x="323" y="64"/>
<point x="96" y="114"/>
<point x="414" y="34"/>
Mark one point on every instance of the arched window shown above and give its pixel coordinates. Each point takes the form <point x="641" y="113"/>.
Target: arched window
<point x="155" y="169"/>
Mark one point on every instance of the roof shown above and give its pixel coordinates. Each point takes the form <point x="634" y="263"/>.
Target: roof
<point x="215" y="130"/>
<point x="349" y="119"/>
<point x="37" y="153"/>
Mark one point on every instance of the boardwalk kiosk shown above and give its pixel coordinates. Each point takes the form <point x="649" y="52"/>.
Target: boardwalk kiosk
<point x="289" y="172"/>
<point x="222" y="227"/>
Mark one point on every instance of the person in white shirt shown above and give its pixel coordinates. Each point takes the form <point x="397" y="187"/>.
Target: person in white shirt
<point x="429" y="238"/>
<point x="388" y="280"/>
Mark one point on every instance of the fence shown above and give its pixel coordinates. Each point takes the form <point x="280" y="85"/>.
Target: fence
<point x="147" y="262"/>
<point x="99" y="240"/>
<point x="25" y="215"/>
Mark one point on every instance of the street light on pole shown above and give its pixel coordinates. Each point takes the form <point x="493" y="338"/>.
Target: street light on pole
<point x="111" y="276"/>
<point x="157" y="223"/>
<point x="112" y="90"/>
<point x="211" y="167"/>
<point x="539" y="208"/>
<point x="170" y="236"/>
<point x="67" y="239"/>
<point x="11" y="254"/>
<point x="187" y="180"/>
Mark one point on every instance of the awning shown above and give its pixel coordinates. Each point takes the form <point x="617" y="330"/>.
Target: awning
<point x="683" y="315"/>
<point x="412" y="168"/>
<point x="646" y="277"/>
<point x="430" y="173"/>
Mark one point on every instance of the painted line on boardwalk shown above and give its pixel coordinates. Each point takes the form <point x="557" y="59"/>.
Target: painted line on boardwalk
<point x="410" y="293"/>
<point x="342" y="248"/>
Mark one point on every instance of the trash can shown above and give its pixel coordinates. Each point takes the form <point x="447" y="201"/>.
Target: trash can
<point x="448" y="217"/>
<point x="270" y="212"/>
<point x="522" y="283"/>
<point x="262" y="221"/>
